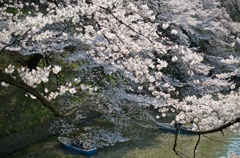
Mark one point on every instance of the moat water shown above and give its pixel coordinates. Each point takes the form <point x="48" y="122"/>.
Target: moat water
<point x="143" y="143"/>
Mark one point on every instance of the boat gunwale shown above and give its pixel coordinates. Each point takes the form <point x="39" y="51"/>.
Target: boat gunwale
<point x="170" y="127"/>
<point x="69" y="145"/>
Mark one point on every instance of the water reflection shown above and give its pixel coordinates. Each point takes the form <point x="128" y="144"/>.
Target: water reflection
<point x="233" y="145"/>
<point x="142" y="144"/>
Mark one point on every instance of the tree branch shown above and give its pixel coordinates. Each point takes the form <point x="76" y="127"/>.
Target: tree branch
<point x="22" y="85"/>
<point x="17" y="41"/>
<point x="175" y="142"/>
<point x="180" y="154"/>
<point x="195" y="148"/>
<point x="219" y="129"/>
<point x="213" y="139"/>
<point x="121" y="22"/>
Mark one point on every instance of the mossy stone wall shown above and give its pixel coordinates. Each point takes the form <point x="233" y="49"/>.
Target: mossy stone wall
<point x="20" y="140"/>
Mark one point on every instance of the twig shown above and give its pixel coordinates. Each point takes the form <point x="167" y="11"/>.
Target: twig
<point x="15" y="41"/>
<point x="121" y="22"/>
<point x="195" y="148"/>
<point x="213" y="139"/>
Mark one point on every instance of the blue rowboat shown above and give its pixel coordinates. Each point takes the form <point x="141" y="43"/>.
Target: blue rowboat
<point x="169" y="128"/>
<point x="66" y="143"/>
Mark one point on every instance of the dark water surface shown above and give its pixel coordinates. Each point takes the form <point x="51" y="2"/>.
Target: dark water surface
<point x="145" y="143"/>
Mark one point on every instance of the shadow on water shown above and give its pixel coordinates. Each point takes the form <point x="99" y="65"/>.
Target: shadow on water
<point x="52" y="148"/>
<point x="143" y="143"/>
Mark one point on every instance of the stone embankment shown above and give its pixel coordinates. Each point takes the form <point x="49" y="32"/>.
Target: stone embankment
<point x="18" y="141"/>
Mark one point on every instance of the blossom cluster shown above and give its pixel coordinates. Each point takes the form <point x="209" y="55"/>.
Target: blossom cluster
<point x="207" y="112"/>
<point x="39" y="75"/>
<point x="34" y="77"/>
<point x="61" y="91"/>
<point x="61" y="126"/>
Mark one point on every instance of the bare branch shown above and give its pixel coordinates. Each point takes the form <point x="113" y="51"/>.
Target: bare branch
<point x="195" y="148"/>
<point x="212" y="139"/>
<point x="121" y="22"/>
<point x="178" y="153"/>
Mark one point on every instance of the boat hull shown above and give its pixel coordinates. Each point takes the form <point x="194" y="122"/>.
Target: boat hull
<point x="66" y="143"/>
<point x="168" y="128"/>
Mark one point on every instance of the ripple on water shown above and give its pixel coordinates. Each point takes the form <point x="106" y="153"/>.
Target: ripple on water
<point x="234" y="145"/>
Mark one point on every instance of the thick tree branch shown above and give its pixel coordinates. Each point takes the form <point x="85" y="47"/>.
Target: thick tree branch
<point x="22" y="85"/>
<point x="219" y="129"/>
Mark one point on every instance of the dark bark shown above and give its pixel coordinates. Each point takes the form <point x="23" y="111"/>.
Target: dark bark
<point x="22" y="85"/>
<point x="33" y="61"/>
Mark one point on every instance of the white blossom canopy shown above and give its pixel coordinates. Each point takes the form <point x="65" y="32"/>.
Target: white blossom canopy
<point x="129" y="40"/>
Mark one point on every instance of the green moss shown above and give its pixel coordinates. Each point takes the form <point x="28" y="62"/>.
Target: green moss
<point x="73" y="65"/>
<point x="14" y="11"/>
<point x="18" y="112"/>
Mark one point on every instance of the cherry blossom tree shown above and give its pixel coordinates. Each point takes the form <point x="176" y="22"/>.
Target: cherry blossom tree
<point x="179" y="57"/>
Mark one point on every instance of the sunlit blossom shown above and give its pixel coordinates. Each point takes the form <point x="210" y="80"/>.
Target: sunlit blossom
<point x="62" y="89"/>
<point x="56" y="69"/>
<point x="72" y="90"/>
<point x="174" y="59"/>
<point x="10" y="69"/>
<point x="165" y="25"/>
<point x="4" y="84"/>
<point x="45" y="90"/>
<point x="174" y="32"/>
